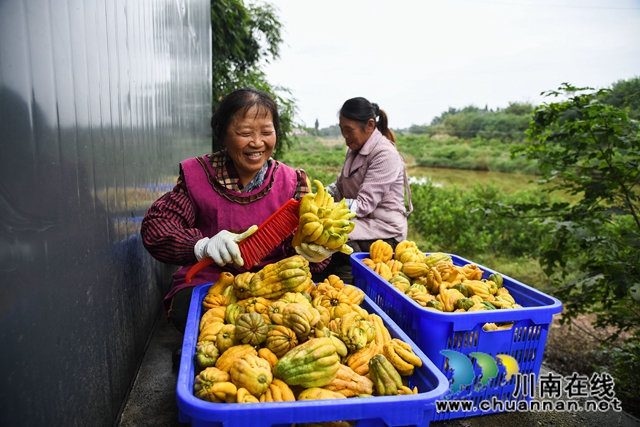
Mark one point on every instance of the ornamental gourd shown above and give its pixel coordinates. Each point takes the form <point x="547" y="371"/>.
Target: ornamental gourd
<point x="280" y="340"/>
<point x="224" y="279"/>
<point x="217" y="311"/>
<point x="251" y="328"/>
<point x="298" y="318"/>
<point x="294" y="297"/>
<point x="497" y="279"/>
<point x="213" y="385"/>
<point x="244" y="396"/>
<point x="334" y="281"/>
<point x="386" y="379"/>
<point x="464" y="303"/>
<point x="382" y="333"/>
<point x="206" y="354"/>
<point x="209" y="316"/>
<point x="448" y="298"/>
<point x="368" y="262"/>
<point x="230" y="294"/>
<point x="275" y="312"/>
<point x="394" y="265"/>
<point x="380" y="251"/>
<point x="227" y="358"/>
<point x="251" y="372"/>
<point x="348" y="383"/>
<point x="382" y="270"/>
<point x="477" y="287"/>
<point x="288" y="275"/>
<point x="403" y="245"/>
<point x="415" y="269"/>
<point x="241" y="285"/>
<point x="400" y="281"/>
<point x="336" y="302"/>
<point x="350" y="331"/>
<point x="433" y="258"/>
<point x="401" y="356"/>
<point x="210" y="331"/>
<point x="368" y="327"/>
<point x="410" y="255"/>
<point x="278" y="391"/>
<point x="359" y="359"/>
<point x="462" y="288"/>
<point x="434" y="304"/>
<point x="269" y="356"/>
<point x="341" y="348"/>
<point x="314" y="363"/>
<point x="226" y="338"/>
<point x="471" y="272"/>
<point x="256" y="304"/>
<point x="232" y="312"/>
<point x="317" y="393"/>
<point x="211" y="300"/>
<point x="355" y="295"/>
<point x="417" y="286"/>
<point x="419" y="296"/>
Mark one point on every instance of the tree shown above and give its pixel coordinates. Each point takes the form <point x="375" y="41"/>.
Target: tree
<point x="317" y="129"/>
<point x="591" y="151"/>
<point x="242" y="38"/>
<point x="625" y="94"/>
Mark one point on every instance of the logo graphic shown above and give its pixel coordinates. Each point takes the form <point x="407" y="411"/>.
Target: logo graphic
<point x="464" y="374"/>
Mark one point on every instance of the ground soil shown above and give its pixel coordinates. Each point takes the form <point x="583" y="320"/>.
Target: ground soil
<point x="577" y="348"/>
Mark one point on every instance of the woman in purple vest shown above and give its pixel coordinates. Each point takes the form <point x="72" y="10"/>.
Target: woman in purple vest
<point x="219" y="199"/>
<point x="373" y="180"/>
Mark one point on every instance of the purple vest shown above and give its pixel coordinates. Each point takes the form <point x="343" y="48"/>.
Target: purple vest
<point x="218" y="209"/>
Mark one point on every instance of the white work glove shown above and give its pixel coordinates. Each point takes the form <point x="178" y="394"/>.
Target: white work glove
<point x="223" y="247"/>
<point x="314" y="253"/>
<point x="352" y="204"/>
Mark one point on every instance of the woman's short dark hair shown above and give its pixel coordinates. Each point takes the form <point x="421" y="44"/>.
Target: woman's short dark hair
<point x="361" y="110"/>
<point x="242" y="99"/>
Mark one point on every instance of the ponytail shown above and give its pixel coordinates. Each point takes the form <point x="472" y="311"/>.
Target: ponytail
<point x="383" y="126"/>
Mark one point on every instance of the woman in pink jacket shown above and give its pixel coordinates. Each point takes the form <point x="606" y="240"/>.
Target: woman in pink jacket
<point x="373" y="180"/>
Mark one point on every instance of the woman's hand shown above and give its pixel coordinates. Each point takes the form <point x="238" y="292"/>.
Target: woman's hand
<point x="314" y="253"/>
<point x="223" y="247"/>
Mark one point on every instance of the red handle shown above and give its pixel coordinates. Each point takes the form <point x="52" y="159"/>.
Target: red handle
<point x="204" y="262"/>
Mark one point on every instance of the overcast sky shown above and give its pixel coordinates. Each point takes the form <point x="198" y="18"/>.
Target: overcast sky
<point x="417" y="58"/>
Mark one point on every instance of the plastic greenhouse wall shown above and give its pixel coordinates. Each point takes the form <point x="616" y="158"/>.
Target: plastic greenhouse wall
<point x="99" y="102"/>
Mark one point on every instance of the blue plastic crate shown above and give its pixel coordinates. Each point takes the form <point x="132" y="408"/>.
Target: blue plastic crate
<point x="435" y="331"/>
<point x="410" y="410"/>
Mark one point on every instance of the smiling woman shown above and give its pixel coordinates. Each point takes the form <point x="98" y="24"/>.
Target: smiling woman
<point x="221" y="197"/>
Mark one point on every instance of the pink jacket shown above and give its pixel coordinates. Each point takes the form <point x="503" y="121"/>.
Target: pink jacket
<point x="376" y="177"/>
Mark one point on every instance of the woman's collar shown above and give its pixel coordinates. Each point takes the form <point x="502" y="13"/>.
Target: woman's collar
<point x="368" y="146"/>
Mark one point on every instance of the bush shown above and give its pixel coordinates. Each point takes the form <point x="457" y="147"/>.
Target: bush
<point x="466" y="222"/>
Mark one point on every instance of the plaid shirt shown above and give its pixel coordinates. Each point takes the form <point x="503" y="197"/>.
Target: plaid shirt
<point x="168" y="229"/>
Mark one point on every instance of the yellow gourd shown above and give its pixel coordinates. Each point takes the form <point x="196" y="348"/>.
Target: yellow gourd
<point x="380" y="251"/>
<point x="251" y="372"/>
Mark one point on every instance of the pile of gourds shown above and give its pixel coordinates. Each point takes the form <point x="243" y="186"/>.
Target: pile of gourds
<point x="276" y="336"/>
<point x="435" y="283"/>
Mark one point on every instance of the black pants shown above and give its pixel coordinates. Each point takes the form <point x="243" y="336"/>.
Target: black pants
<point x="180" y="308"/>
<point x="340" y="264"/>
